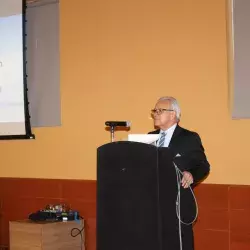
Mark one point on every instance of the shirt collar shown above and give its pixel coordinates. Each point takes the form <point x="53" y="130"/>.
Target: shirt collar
<point x="171" y="129"/>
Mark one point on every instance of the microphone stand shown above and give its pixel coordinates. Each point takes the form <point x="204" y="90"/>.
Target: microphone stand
<point x="112" y="131"/>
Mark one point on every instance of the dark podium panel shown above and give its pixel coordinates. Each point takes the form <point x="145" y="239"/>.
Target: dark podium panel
<point x="136" y="198"/>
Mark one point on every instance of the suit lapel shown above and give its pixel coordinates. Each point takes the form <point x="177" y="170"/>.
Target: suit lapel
<point x="175" y="135"/>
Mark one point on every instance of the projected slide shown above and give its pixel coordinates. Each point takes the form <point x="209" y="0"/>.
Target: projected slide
<point x="12" y="105"/>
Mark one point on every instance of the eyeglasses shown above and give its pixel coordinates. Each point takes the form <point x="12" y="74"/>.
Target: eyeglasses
<point x="159" y="111"/>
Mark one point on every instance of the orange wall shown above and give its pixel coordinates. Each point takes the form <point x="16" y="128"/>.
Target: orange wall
<point x="117" y="58"/>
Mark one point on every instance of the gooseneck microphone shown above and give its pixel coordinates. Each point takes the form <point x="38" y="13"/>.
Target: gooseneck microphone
<point x="118" y="123"/>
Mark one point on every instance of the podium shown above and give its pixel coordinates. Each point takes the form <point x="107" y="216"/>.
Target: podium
<point x="136" y="199"/>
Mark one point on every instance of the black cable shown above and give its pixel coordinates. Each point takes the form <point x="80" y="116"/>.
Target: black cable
<point x="79" y="232"/>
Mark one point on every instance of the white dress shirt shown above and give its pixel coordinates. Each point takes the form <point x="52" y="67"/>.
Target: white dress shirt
<point x="169" y="133"/>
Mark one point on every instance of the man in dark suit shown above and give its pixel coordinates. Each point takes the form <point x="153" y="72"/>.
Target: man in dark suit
<point x="186" y="149"/>
<point x="184" y="144"/>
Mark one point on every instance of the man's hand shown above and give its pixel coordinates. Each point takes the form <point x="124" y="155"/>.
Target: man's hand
<point x="187" y="179"/>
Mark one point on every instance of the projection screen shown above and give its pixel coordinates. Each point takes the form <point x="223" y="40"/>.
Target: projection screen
<point x="241" y="58"/>
<point x="14" y="113"/>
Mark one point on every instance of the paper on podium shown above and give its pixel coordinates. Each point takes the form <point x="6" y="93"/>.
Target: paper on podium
<point x="144" y="138"/>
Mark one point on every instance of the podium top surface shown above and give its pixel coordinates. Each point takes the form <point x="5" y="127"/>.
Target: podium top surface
<point x="131" y="143"/>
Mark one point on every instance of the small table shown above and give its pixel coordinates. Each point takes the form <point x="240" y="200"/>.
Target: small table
<point x="44" y="235"/>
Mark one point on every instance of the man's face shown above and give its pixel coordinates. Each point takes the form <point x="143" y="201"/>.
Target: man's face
<point x="164" y="117"/>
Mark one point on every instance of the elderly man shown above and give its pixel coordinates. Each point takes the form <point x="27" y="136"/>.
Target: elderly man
<point x="185" y="147"/>
<point x="182" y="142"/>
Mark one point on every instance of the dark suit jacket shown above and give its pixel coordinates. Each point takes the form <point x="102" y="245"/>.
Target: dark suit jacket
<point x="193" y="159"/>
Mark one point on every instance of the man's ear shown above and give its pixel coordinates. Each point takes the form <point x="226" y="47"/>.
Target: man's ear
<point x="173" y="115"/>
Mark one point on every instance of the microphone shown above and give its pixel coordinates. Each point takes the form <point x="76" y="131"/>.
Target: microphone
<point x="118" y="123"/>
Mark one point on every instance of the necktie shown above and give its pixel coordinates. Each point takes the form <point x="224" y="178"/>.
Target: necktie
<point x="162" y="140"/>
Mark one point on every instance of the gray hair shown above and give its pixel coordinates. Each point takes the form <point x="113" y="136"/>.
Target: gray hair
<point x="174" y="105"/>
